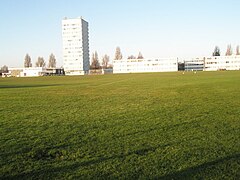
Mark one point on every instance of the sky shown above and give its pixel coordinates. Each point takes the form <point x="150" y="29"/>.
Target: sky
<point x="157" y="28"/>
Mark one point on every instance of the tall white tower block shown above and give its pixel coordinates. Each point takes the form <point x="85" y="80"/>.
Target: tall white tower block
<point x="75" y="46"/>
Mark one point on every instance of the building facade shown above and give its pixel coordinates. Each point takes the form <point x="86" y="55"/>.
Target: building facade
<point x="35" y="71"/>
<point x="75" y="46"/>
<point x="145" y="65"/>
<point x="213" y="63"/>
<point x="218" y="63"/>
<point x="27" y="72"/>
<point x="194" y="64"/>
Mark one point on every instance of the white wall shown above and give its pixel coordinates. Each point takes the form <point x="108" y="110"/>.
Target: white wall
<point x="216" y="63"/>
<point x="145" y="65"/>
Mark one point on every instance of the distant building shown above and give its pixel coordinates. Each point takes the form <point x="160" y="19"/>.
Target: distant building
<point x="35" y="71"/>
<point x="218" y="63"/>
<point x="181" y="66"/>
<point x="213" y="63"/>
<point x="194" y="64"/>
<point x="26" y="72"/>
<point x="145" y="65"/>
<point x="16" y="72"/>
<point x="54" y="72"/>
<point x="75" y="46"/>
<point x="100" y="71"/>
<point x="5" y="74"/>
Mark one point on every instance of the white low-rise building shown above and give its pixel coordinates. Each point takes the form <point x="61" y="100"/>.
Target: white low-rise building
<point x="27" y="72"/>
<point x="35" y="71"/>
<point x="213" y="63"/>
<point x="194" y="64"/>
<point x="145" y="65"/>
<point x="217" y="63"/>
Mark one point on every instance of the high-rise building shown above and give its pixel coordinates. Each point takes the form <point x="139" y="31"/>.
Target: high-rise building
<point x="75" y="46"/>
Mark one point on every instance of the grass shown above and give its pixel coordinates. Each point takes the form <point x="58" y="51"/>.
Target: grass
<point x="134" y="126"/>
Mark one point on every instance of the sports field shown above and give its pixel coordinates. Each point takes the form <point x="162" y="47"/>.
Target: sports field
<point x="157" y="125"/>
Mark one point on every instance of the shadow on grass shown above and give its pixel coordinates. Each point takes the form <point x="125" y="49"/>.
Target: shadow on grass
<point x="196" y="172"/>
<point x="188" y="173"/>
<point x="77" y="165"/>
<point x="165" y="128"/>
<point x="27" y="86"/>
<point x="52" y="171"/>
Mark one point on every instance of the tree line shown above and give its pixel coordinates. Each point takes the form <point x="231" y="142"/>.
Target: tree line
<point x="229" y="51"/>
<point x="95" y="64"/>
<point x="40" y="62"/>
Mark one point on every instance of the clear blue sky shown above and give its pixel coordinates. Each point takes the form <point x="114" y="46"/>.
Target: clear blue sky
<point x="157" y="28"/>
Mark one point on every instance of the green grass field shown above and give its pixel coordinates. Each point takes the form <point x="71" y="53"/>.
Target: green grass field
<point x="160" y="125"/>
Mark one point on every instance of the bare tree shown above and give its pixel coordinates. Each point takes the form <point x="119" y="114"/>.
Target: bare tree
<point x="27" y="61"/>
<point x="40" y="62"/>
<point x="52" y="61"/>
<point x="237" y="50"/>
<point x="118" y="54"/>
<point x="95" y="63"/>
<point x="4" y="69"/>
<point x="96" y="57"/>
<point x="105" y="61"/>
<point x="131" y="57"/>
<point x="229" y="50"/>
<point x="216" y="51"/>
<point x="140" y="56"/>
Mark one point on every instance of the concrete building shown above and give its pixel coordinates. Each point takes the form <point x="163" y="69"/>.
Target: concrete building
<point x="54" y="72"/>
<point x="218" y="63"/>
<point x="213" y="63"/>
<point x="75" y="46"/>
<point x="145" y="65"/>
<point x="194" y="64"/>
<point x="27" y="72"/>
<point x="35" y="71"/>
